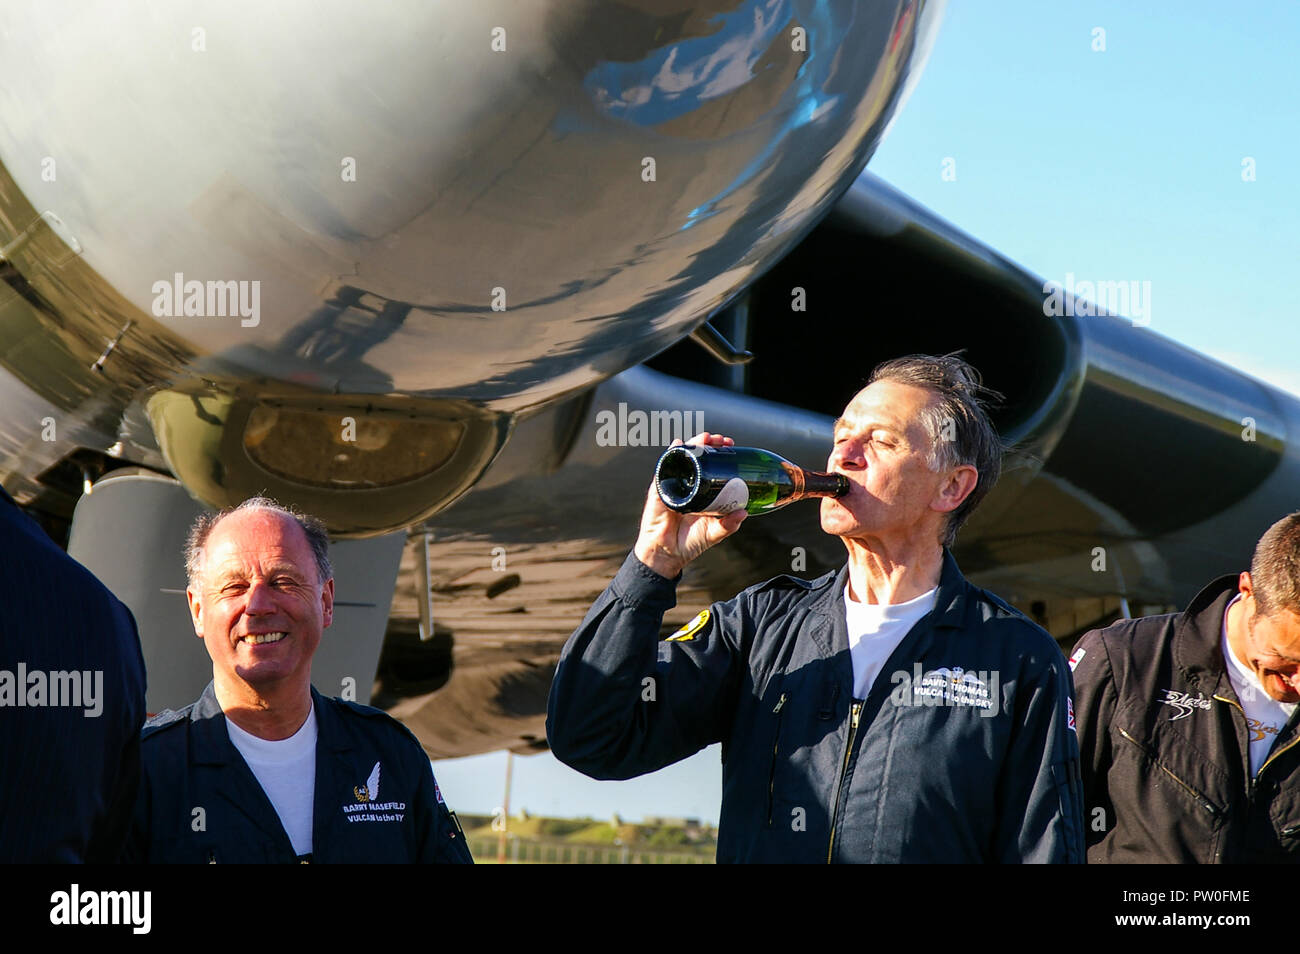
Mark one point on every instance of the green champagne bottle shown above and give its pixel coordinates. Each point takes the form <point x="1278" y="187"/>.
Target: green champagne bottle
<point x="692" y="478"/>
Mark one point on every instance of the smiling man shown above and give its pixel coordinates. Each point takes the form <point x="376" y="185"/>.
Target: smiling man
<point x="263" y="768"/>
<point x="1187" y="721"/>
<point x="888" y="712"/>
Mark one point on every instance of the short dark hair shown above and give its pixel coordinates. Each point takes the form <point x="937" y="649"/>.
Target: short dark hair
<point x="317" y="535"/>
<point x="958" y="423"/>
<point x="1275" y="567"/>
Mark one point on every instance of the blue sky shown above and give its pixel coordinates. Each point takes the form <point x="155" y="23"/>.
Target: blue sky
<point x="1127" y="163"/>
<point x="1124" y="164"/>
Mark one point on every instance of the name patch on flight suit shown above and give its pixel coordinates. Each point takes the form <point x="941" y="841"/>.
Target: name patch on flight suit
<point x="368" y="808"/>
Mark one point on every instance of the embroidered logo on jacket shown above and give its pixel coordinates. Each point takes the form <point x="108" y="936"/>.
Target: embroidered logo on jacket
<point x="368" y="808"/>
<point x="947" y="687"/>
<point x="688" y="632"/>
<point x="1184" y="703"/>
<point x="370" y="791"/>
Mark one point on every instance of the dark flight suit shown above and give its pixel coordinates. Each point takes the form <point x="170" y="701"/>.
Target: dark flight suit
<point x="1166" y="747"/>
<point x="68" y="776"/>
<point x="963" y="751"/>
<point x="200" y="802"/>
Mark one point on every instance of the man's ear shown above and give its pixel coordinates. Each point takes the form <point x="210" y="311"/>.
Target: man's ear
<point x="327" y="601"/>
<point x="1246" y="587"/>
<point x="196" y="611"/>
<point x="958" y="486"/>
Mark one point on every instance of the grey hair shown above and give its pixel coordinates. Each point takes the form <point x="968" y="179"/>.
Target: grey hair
<point x="958" y="423"/>
<point x="317" y="536"/>
<point x="1275" y="567"/>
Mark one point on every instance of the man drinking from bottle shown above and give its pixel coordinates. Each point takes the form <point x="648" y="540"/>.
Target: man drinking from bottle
<point x="889" y="712"/>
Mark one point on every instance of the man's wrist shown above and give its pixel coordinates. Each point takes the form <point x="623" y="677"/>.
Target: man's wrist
<point x="638" y="585"/>
<point x="659" y="559"/>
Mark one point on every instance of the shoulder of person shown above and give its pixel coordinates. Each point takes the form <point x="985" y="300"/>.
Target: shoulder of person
<point x="167" y="719"/>
<point x="1134" y="640"/>
<point x="785" y="585"/>
<point x="373" y="721"/>
<point x="1009" y="623"/>
<point x="777" y="596"/>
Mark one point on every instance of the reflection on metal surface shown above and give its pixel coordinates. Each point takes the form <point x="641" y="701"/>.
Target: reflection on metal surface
<point x="362" y="469"/>
<point x="495" y="202"/>
<point x="341" y="451"/>
<point x="58" y="318"/>
<point x="57" y="253"/>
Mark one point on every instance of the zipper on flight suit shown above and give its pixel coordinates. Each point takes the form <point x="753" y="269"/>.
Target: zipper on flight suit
<point x="1252" y="781"/>
<point x="1214" y="810"/>
<point x="854" y="714"/>
<point x="1273" y="755"/>
<point x="771" y="775"/>
<point x="1293" y="830"/>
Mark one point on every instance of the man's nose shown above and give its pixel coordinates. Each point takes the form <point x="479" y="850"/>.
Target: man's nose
<point x="260" y="601"/>
<point x="847" y="456"/>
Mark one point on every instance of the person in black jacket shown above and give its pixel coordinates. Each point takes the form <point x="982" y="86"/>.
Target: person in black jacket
<point x="72" y="687"/>
<point x="1187" y="724"/>
<point x="888" y="712"/>
<point x="262" y="768"/>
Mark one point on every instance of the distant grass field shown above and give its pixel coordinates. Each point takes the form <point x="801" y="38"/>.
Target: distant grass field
<point x="588" y="841"/>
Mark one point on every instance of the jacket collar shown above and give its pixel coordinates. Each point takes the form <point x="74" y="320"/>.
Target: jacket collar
<point x="1197" y="644"/>
<point x="239" y="787"/>
<point x="950" y="606"/>
<point x="211" y="739"/>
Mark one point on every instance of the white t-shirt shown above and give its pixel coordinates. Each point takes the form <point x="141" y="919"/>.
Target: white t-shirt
<point x="1265" y="716"/>
<point x="286" y="770"/>
<point x="876" y="629"/>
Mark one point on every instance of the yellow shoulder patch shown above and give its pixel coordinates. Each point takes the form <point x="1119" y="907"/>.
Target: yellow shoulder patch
<point x="688" y="631"/>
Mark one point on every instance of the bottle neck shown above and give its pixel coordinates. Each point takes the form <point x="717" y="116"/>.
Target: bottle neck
<point x="818" y="484"/>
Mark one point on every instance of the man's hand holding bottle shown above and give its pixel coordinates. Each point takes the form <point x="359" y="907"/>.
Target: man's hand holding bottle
<point x="670" y="540"/>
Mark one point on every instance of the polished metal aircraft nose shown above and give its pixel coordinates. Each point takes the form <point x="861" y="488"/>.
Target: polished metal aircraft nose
<point x="494" y="201"/>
